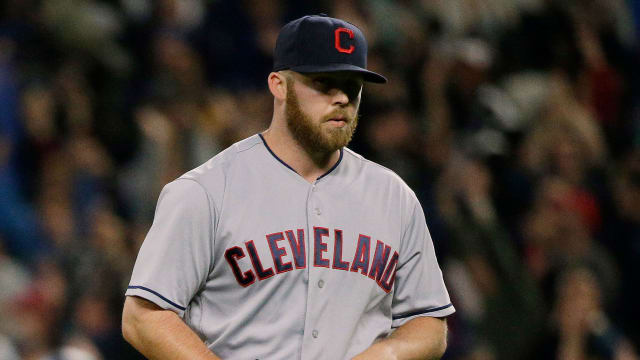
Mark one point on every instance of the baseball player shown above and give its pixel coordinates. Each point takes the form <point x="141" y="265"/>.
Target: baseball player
<point x="287" y="245"/>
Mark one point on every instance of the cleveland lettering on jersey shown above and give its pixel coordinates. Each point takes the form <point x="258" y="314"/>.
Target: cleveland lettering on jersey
<point x="380" y="269"/>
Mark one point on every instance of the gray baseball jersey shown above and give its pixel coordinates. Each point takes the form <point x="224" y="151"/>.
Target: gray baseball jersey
<point x="262" y="264"/>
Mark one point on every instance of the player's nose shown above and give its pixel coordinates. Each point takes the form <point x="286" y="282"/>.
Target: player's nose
<point x="339" y="97"/>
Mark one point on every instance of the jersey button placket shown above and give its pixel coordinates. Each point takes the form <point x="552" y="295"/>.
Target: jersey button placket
<point x="316" y="209"/>
<point x="315" y="285"/>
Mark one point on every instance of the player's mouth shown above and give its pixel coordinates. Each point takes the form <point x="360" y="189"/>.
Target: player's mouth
<point x="338" y="121"/>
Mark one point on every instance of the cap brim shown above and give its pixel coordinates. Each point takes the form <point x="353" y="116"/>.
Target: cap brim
<point x="368" y="76"/>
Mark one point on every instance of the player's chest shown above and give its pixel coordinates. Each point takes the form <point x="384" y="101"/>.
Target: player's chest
<point x="274" y="233"/>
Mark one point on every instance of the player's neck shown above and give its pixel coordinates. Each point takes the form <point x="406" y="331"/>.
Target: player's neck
<point x="308" y="165"/>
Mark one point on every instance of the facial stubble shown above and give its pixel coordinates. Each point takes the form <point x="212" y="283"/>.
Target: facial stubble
<point x="317" y="138"/>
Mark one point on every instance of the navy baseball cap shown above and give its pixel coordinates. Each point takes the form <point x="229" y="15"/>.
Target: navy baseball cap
<point x="318" y="43"/>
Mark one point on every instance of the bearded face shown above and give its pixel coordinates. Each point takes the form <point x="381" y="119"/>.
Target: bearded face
<point x="317" y="136"/>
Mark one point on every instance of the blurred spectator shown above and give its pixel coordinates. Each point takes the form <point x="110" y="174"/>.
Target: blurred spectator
<point x="579" y="327"/>
<point x="499" y="300"/>
<point x="19" y="225"/>
<point x="622" y="235"/>
<point x="556" y="234"/>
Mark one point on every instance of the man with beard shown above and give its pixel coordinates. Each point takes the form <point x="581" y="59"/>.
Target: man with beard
<point x="287" y="245"/>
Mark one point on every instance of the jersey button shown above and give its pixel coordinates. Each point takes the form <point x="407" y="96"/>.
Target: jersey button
<point x="314" y="333"/>
<point x="318" y="212"/>
<point x="321" y="283"/>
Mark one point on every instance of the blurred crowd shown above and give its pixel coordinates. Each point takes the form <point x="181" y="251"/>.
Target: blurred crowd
<point x="516" y="122"/>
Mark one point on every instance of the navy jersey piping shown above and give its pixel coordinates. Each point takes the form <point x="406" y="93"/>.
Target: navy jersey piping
<point x="333" y="167"/>
<point x="420" y="312"/>
<point x="158" y="295"/>
<point x="274" y="155"/>
<point x="290" y="168"/>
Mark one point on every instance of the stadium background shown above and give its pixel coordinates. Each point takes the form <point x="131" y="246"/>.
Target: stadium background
<point x="517" y="123"/>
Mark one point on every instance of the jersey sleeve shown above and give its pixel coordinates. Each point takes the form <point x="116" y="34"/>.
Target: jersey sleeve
<point x="176" y="256"/>
<point x="419" y="288"/>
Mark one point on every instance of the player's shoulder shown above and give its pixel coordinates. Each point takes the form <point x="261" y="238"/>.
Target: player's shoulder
<point x="371" y="168"/>
<point x="221" y="162"/>
<point x="212" y="174"/>
<point x="373" y="172"/>
<point x="375" y="178"/>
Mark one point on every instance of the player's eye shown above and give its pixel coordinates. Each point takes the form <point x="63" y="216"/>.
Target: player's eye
<point x="322" y="83"/>
<point x="326" y="84"/>
<point x="353" y="88"/>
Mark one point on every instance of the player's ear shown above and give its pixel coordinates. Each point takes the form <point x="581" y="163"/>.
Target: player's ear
<point x="278" y="85"/>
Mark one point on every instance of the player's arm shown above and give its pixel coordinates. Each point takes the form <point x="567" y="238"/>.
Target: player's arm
<point x="172" y="265"/>
<point x="420" y="338"/>
<point x="160" y="334"/>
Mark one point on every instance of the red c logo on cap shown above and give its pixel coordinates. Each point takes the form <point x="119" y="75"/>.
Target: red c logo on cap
<point x="338" y="46"/>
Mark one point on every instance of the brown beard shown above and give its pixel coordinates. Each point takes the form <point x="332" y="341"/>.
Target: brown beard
<point x="313" y="137"/>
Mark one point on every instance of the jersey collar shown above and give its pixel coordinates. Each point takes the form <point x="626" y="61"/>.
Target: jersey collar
<point x="290" y="168"/>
